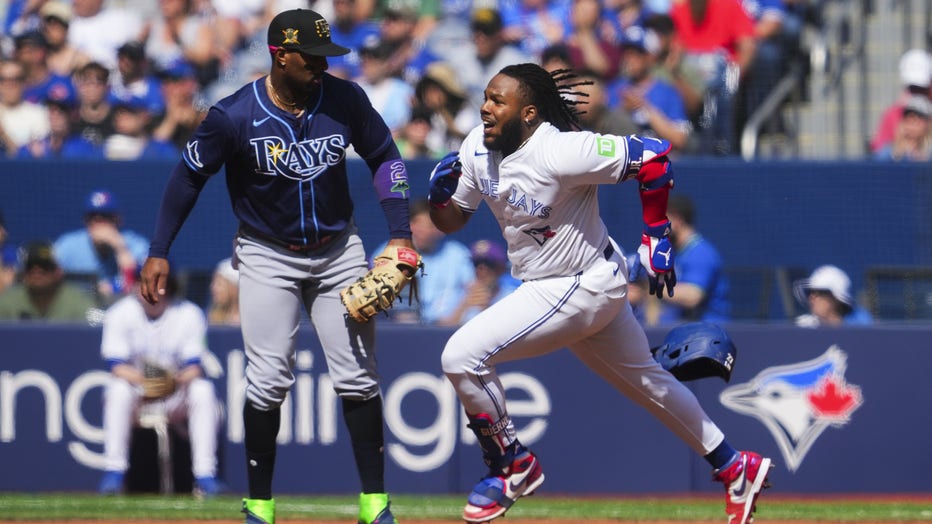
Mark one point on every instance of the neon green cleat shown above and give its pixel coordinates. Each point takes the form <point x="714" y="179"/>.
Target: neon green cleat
<point x="374" y="508"/>
<point x="259" y="511"/>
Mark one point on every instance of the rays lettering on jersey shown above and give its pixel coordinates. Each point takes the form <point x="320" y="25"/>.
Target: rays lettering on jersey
<point x="304" y="160"/>
<point x="516" y="199"/>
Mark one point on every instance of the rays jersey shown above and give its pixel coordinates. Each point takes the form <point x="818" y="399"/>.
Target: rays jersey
<point x="544" y="196"/>
<point x="286" y="174"/>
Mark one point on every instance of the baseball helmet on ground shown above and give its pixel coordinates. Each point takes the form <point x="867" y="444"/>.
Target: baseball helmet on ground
<point x="697" y="350"/>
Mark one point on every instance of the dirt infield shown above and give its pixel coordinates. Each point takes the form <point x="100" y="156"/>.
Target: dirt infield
<point x="417" y="521"/>
<point x="448" y="521"/>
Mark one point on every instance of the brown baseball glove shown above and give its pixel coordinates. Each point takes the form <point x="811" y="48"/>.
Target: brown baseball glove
<point x="377" y="290"/>
<point x="158" y="382"/>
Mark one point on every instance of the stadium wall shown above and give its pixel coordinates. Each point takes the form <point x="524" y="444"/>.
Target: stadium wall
<point x="760" y="214"/>
<point x="839" y="410"/>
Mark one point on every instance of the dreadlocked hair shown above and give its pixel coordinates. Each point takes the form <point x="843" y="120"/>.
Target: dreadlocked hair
<point x="554" y="93"/>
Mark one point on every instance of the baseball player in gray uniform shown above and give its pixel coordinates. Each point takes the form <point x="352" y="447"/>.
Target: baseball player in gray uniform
<point x="539" y="176"/>
<point x="283" y="141"/>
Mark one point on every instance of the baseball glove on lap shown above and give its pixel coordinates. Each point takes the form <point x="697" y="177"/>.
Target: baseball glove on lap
<point x="378" y="289"/>
<point x="158" y="382"/>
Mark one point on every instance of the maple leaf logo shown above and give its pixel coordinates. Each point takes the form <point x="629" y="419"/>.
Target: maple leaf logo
<point x="798" y="402"/>
<point x="834" y="399"/>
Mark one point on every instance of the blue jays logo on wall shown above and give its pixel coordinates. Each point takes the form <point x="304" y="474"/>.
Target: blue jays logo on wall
<point x="797" y="402"/>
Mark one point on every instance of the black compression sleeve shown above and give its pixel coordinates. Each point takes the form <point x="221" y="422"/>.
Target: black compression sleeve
<point x="397" y="213"/>
<point x="181" y="192"/>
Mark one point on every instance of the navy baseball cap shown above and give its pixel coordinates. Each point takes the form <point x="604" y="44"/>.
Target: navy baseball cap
<point x="644" y="40"/>
<point x="303" y="30"/>
<point x="133" y="103"/>
<point x="40" y="254"/>
<point x="101" y="202"/>
<point x="31" y="38"/>
<point x="177" y="70"/>
<point x="135" y="51"/>
<point x="373" y="46"/>
<point x="486" y="21"/>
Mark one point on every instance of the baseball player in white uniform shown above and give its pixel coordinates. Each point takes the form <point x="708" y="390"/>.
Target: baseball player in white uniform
<point x="539" y="176"/>
<point x="169" y="336"/>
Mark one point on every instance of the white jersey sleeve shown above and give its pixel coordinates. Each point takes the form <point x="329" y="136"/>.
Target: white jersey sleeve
<point x="544" y="196"/>
<point x="473" y="156"/>
<point x="584" y="158"/>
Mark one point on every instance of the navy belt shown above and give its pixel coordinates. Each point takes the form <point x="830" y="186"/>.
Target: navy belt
<point x="608" y="251"/>
<point x="295" y="248"/>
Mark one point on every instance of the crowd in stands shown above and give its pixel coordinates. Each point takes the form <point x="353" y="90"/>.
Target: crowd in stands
<point x="128" y="79"/>
<point x="84" y="271"/>
<point x="131" y="79"/>
<point x="903" y="132"/>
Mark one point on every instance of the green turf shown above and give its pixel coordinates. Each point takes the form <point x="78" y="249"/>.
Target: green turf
<point x="66" y="506"/>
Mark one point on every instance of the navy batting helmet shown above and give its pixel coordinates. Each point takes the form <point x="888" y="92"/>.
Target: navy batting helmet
<point x="697" y="350"/>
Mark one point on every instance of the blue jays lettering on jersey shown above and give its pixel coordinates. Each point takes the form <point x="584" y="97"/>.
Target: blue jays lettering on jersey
<point x="286" y="174"/>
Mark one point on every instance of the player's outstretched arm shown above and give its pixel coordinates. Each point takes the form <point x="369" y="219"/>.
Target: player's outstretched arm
<point x="449" y="219"/>
<point x="181" y="192"/>
<point x="649" y="164"/>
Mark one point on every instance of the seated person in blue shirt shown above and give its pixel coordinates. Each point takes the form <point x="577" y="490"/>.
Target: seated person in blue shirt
<point x="62" y="141"/>
<point x="350" y="31"/>
<point x="133" y="80"/>
<point x="448" y="271"/>
<point x="912" y="141"/>
<point x="132" y="138"/>
<point x="493" y="281"/>
<point x="701" y="284"/>
<point x="656" y="107"/>
<point x="32" y="50"/>
<point x="826" y="294"/>
<point x="103" y="249"/>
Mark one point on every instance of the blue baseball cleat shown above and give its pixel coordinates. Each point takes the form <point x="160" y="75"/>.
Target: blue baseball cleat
<point x="111" y="483"/>
<point x="494" y="494"/>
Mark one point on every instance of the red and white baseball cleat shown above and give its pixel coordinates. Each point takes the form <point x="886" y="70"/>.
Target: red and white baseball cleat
<point x="744" y="479"/>
<point x="493" y="495"/>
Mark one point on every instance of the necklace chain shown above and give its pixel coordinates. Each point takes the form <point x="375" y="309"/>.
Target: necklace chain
<point x="275" y="98"/>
